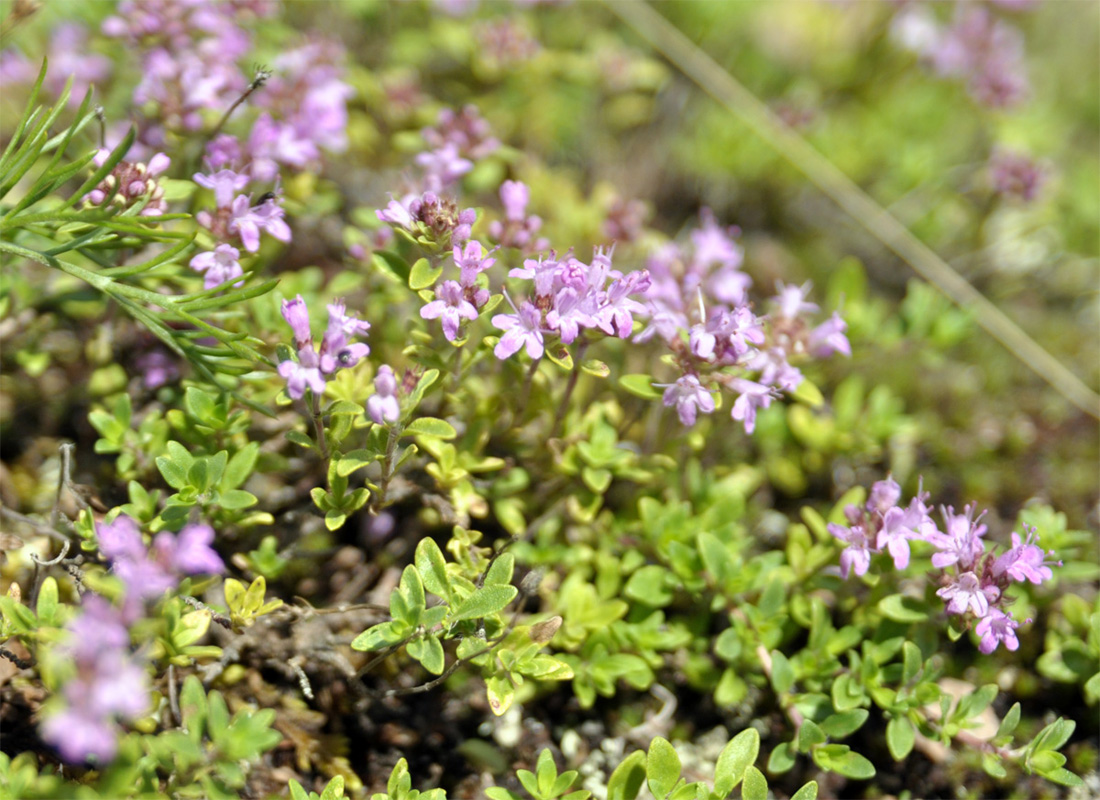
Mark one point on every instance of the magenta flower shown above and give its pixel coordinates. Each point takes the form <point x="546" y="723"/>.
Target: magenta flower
<point x="523" y="329"/>
<point x="450" y="304"/>
<point x="383" y="407"/>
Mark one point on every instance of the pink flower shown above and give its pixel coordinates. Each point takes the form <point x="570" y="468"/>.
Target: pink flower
<point x="689" y="396"/>
<point x="994" y="628"/>
<point x="450" y="304"/>
<point x="383" y="406"/>
<point x="219" y="266"/>
<point x="524" y="328"/>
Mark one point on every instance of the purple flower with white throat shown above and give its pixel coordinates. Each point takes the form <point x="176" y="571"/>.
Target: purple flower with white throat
<point x="383" y="407"/>
<point x="452" y="306"/>
<point x="522" y="329"/>
<point x="689" y="396"/>
<point x="219" y="266"/>
<point x="962" y="543"/>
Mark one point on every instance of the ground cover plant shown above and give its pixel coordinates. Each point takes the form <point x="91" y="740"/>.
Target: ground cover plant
<point x="538" y="400"/>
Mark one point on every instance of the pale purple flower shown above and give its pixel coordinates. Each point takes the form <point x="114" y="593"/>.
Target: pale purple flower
<point x="120" y="539"/>
<point x="299" y="377"/>
<point x="471" y="262"/>
<point x="790" y="300"/>
<point x="616" y="313"/>
<point x="857" y="554"/>
<point x="296" y="315"/>
<point x="828" y="338"/>
<point x="752" y="396"/>
<point x="450" y="304"/>
<point x="225" y="183"/>
<point x="1016" y="175"/>
<point x="884" y="496"/>
<point x="223" y="151"/>
<point x="218" y="266"/>
<point x="514" y="196"/>
<point x="689" y="396"/>
<point x="383" y="407"/>
<point x="568" y="315"/>
<point x="961" y="544"/>
<point x="443" y="167"/>
<point x="522" y="329"/>
<point x="1025" y="561"/>
<point x="397" y="212"/>
<point x="996" y="628"/>
<point x="80" y="734"/>
<point x="965" y="591"/>
<point x="336" y="352"/>
<point x="541" y="271"/>
<point x="346" y="323"/>
<point x="189" y="551"/>
<point x="272" y="143"/>
<point x="897" y="529"/>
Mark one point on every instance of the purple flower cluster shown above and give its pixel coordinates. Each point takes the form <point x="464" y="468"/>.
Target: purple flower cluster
<point x="568" y="296"/>
<point x="517" y="229"/>
<point x="1016" y="175"/>
<point x="974" y="581"/>
<point x="384" y="406"/>
<point x="68" y="57"/>
<point x="433" y="221"/>
<point x="235" y="220"/>
<point x="147" y="573"/>
<point x="336" y="351"/>
<point x="305" y="102"/>
<point x="456" y="142"/>
<point x="977" y="47"/>
<point x="130" y="183"/>
<point x="728" y="346"/>
<point x="189" y="56"/>
<point x="109" y="684"/>
<point x="460" y="300"/>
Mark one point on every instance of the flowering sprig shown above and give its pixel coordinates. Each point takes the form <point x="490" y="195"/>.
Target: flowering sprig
<point x="697" y="302"/>
<point x="110" y="683"/>
<point x="315" y="365"/>
<point x="435" y="223"/>
<point x="974" y="581"/>
<point x="130" y="183"/>
<point x="517" y="229"/>
<point x="568" y="297"/>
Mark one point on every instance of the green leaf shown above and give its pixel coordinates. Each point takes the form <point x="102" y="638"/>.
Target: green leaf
<point x="423" y="275"/>
<point x="547" y="772"/>
<point x="430" y="426"/>
<point x="240" y="466"/>
<point x="992" y="765"/>
<point x="977" y="701"/>
<point x="807" y="792"/>
<point x="352" y="461"/>
<point x="501" y="570"/>
<point x="736" y="756"/>
<point x="628" y="778"/>
<point x="903" y="608"/>
<point x="782" y="673"/>
<point x="297" y="792"/>
<point x="809" y="734"/>
<point x="47" y="605"/>
<point x="640" y="386"/>
<point x="484" y="601"/>
<point x="840" y="759"/>
<point x="648" y="585"/>
<point x="388" y="261"/>
<point x="1009" y="723"/>
<point x="236" y="499"/>
<point x="837" y="726"/>
<point x="782" y="758"/>
<point x="900" y="737"/>
<point x="662" y="768"/>
<point x="595" y="367"/>
<point x="756" y="785"/>
<point x="433" y="568"/>
<point x="334" y="789"/>
<point x="429" y="652"/>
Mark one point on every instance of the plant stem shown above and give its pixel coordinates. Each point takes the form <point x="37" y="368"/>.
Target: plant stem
<point x="318" y="427"/>
<point x="387" y="466"/>
<point x="569" y="387"/>
<point x="527" y="383"/>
